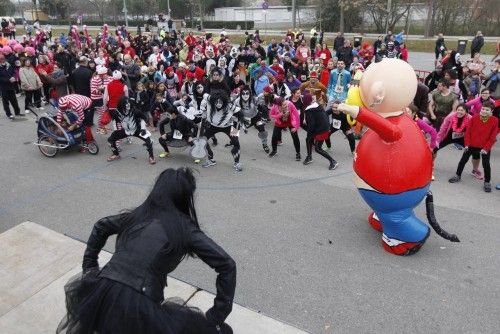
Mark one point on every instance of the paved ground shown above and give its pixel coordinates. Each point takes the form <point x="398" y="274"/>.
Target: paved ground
<point x="305" y="253"/>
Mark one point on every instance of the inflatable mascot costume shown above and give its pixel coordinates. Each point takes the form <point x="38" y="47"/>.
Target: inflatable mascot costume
<point x="393" y="162"/>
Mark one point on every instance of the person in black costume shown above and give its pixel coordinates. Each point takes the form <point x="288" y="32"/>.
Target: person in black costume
<point x="126" y="295"/>
<point x="318" y="130"/>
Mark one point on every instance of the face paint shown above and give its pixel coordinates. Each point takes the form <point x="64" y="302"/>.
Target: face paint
<point x="245" y="95"/>
<point x="219" y="104"/>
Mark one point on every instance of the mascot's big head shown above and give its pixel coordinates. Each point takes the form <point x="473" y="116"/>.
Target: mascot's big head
<point x="388" y="86"/>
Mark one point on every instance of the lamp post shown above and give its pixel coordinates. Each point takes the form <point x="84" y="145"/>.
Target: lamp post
<point x="125" y="13"/>
<point x="294" y="22"/>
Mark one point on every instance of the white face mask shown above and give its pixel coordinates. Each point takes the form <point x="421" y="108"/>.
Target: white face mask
<point x="245" y="95"/>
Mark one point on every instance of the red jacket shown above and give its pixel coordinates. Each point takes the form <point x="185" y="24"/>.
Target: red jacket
<point x="481" y="134"/>
<point x="115" y="91"/>
<point x="324" y="77"/>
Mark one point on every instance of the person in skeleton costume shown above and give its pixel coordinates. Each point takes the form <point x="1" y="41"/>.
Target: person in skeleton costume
<point x="187" y="108"/>
<point x="245" y="104"/>
<point x="133" y="123"/>
<point x="220" y="117"/>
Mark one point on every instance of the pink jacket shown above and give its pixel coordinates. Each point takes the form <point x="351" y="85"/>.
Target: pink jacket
<point x="293" y="120"/>
<point x="429" y="130"/>
<point x="447" y="124"/>
<point x="476" y="104"/>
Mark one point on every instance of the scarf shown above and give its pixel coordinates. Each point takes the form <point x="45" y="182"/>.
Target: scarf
<point x="454" y="124"/>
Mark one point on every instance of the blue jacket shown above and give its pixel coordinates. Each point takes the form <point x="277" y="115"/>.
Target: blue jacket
<point x="338" y="93"/>
<point x="260" y="83"/>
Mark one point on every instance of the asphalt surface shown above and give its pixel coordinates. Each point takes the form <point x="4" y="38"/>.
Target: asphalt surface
<point x="299" y="235"/>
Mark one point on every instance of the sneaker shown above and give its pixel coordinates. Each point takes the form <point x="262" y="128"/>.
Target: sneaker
<point x="458" y="146"/>
<point x="487" y="187"/>
<point x="273" y="154"/>
<point x="266" y="148"/>
<point x="113" y="158"/>
<point x="454" y="179"/>
<point x="477" y="174"/>
<point x="21" y="115"/>
<point x="152" y="161"/>
<point x="334" y="164"/>
<point x="237" y="167"/>
<point x="298" y="157"/>
<point x="209" y="163"/>
<point x="197" y="161"/>
<point x="497" y="187"/>
<point x="164" y="155"/>
<point x="11" y="117"/>
<point x="27" y="111"/>
<point x="280" y="143"/>
<point x="308" y="160"/>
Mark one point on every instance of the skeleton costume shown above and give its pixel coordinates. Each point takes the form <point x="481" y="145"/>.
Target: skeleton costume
<point x="245" y="104"/>
<point x="133" y="123"/>
<point x="221" y="117"/>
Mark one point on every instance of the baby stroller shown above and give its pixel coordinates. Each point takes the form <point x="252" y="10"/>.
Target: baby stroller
<point x="53" y="137"/>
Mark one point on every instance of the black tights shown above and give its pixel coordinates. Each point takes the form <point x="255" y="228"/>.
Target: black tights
<point x="475" y="152"/>
<point x="277" y="136"/>
<point x="349" y="135"/>
<point x="310" y="142"/>
<point x="210" y="132"/>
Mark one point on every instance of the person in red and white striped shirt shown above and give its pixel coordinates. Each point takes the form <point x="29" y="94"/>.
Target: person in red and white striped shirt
<point x="98" y="84"/>
<point x="81" y="106"/>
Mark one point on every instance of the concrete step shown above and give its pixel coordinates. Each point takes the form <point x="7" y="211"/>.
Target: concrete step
<point x="36" y="263"/>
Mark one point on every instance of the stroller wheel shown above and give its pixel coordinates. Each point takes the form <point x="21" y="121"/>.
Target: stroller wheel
<point x="93" y="148"/>
<point x="47" y="146"/>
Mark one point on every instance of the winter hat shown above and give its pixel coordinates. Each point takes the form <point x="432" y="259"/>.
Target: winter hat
<point x="18" y="48"/>
<point x="307" y="99"/>
<point x="144" y="69"/>
<point x="313" y="74"/>
<point x="6" y="50"/>
<point x="280" y="77"/>
<point x="169" y="70"/>
<point x="182" y="64"/>
<point x="101" y="69"/>
<point x="29" y="50"/>
<point x="190" y="75"/>
<point x="268" y="89"/>
<point x="117" y="75"/>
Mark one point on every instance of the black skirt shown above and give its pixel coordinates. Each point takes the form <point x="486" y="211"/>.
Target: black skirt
<point x="97" y="305"/>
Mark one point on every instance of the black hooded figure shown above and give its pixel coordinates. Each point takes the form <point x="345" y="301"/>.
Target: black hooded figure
<point x="126" y="295"/>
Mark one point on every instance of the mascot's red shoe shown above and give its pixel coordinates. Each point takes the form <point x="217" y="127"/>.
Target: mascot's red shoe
<point x="374" y="222"/>
<point x="398" y="247"/>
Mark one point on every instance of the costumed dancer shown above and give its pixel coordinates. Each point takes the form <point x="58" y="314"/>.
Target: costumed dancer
<point x="181" y="127"/>
<point x="221" y="118"/>
<point x="133" y="123"/>
<point x="318" y="129"/>
<point x="285" y="116"/>
<point x="251" y="115"/>
<point x="393" y="163"/>
<point x="126" y="295"/>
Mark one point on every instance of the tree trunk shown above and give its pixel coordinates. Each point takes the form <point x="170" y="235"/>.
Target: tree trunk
<point x="342" y="18"/>
<point x="430" y="17"/>
<point x="200" y="2"/>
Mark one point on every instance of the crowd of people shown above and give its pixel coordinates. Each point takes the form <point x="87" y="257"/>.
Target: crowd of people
<point x="186" y="85"/>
